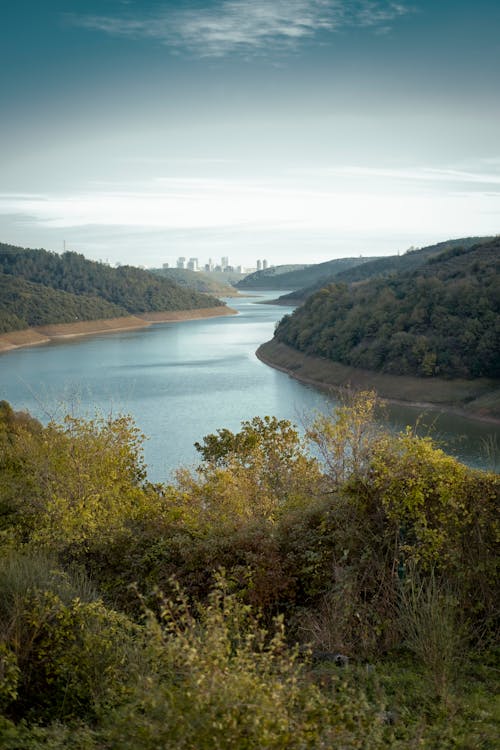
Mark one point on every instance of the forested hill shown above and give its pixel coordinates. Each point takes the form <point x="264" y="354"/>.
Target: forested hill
<point x="298" y="277"/>
<point x="408" y="261"/>
<point x="270" y="278"/>
<point x="126" y="289"/>
<point x="441" y="319"/>
<point x="198" y="280"/>
<point x="24" y="304"/>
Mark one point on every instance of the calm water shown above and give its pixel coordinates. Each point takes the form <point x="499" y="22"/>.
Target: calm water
<point x="181" y="381"/>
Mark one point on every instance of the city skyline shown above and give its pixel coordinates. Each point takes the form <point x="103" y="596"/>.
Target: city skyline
<point x="193" y="264"/>
<point x="299" y="131"/>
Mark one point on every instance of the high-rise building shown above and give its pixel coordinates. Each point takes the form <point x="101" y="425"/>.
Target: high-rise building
<point x="224" y="261"/>
<point x="193" y="264"/>
<point x="165" y="265"/>
<point x="259" y="265"/>
<point x="264" y="264"/>
<point x="181" y="262"/>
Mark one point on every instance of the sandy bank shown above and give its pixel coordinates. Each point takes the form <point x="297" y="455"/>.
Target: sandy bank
<point x="173" y="316"/>
<point x="57" y="331"/>
<point x="477" y="399"/>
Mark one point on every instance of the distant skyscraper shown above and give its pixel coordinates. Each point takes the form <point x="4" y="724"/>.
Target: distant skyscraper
<point x="224" y="261"/>
<point x="181" y="262"/>
<point x="259" y="265"/>
<point x="165" y="265"/>
<point x="264" y="264"/>
<point x="193" y="264"/>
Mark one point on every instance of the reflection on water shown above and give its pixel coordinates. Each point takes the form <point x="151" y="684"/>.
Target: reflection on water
<point x="181" y="381"/>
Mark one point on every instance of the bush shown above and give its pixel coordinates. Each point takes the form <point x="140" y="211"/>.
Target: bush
<point x="61" y="657"/>
<point x="224" y="682"/>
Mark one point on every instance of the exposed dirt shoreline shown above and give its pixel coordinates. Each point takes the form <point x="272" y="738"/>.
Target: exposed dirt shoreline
<point x="59" y="331"/>
<point x="475" y="399"/>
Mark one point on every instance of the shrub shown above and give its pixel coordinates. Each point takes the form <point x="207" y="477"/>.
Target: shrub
<point x="62" y="657"/>
<point x="224" y="682"/>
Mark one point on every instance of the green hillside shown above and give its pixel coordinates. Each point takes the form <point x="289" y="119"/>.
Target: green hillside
<point x="373" y="267"/>
<point x="199" y="281"/>
<point x="43" y="287"/>
<point x="133" y="288"/>
<point x="302" y="276"/>
<point x="442" y="319"/>
<point x="409" y="261"/>
<point x="24" y="304"/>
<point x="270" y="278"/>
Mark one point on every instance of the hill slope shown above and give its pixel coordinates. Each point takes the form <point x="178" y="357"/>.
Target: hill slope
<point x="39" y="287"/>
<point x="299" y="277"/>
<point x="374" y="267"/>
<point x="24" y="304"/>
<point x="270" y="278"/>
<point x="442" y="319"/>
<point x="131" y="288"/>
<point x="199" y="281"/>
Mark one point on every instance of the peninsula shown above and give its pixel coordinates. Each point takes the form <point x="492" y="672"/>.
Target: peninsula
<point x="427" y="335"/>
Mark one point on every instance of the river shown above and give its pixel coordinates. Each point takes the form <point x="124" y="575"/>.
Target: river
<point x="180" y="381"/>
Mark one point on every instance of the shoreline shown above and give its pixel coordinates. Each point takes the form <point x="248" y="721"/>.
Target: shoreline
<point x="45" y="334"/>
<point x="478" y="400"/>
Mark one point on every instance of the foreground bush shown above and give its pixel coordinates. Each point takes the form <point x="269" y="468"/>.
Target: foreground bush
<point x="226" y="682"/>
<point x="382" y="549"/>
<point x="61" y="657"/>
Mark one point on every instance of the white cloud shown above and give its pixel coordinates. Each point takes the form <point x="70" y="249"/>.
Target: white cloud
<point x="210" y="204"/>
<point x="453" y="176"/>
<point x="379" y="14"/>
<point x="247" y="26"/>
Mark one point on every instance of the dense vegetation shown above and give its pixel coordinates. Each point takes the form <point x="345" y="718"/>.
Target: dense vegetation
<point x="269" y="599"/>
<point x="269" y="278"/>
<point x="278" y="277"/>
<point x="381" y="267"/>
<point x="198" y="280"/>
<point x="130" y="289"/>
<point x="441" y="319"/>
<point x="24" y="304"/>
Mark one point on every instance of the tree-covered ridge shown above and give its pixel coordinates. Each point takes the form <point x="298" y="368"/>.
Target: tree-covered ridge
<point x="408" y="261"/>
<point x="269" y="278"/>
<point x="197" y="280"/>
<point x="133" y="289"/>
<point x="267" y="599"/>
<point x="24" y="304"/>
<point x="374" y="267"/>
<point x="442" y="319"/>
<point x="296" y="278"/>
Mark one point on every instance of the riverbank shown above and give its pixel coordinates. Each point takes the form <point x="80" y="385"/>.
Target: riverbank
<point x="57" y="331"/>
<point x="475" y="399"/>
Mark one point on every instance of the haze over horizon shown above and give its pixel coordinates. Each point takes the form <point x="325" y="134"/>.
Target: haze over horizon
<point x="292" y="130"/>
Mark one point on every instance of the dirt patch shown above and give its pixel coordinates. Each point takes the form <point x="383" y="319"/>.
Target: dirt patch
<point x="26" y="337"/>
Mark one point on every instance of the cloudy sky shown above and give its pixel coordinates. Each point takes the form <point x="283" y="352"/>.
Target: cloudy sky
<point x="292" y="130"/>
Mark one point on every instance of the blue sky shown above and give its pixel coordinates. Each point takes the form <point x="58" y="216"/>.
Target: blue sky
<point x="292" y="130"/>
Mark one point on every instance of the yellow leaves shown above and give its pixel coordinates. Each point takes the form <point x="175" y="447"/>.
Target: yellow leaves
<point x="423" y="491"/>
<point x="77" y="482"/>
<point x="346" y="439"/>
<point x="255" y="474"/>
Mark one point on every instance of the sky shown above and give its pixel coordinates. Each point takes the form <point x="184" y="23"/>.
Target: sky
<point x="137" y="131"/>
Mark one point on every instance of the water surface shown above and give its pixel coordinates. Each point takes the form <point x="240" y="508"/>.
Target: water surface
<point x="181" y="381"/>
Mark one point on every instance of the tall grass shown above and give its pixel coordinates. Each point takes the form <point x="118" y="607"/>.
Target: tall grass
<point x="432" y="629"/>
